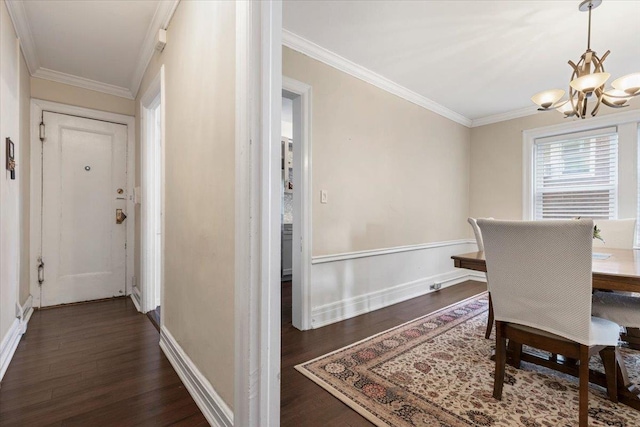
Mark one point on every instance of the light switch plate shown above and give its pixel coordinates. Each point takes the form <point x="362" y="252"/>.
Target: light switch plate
<point x="323" y="196"/>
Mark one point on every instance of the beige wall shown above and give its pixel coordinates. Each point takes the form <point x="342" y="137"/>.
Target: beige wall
<point x="199" y="62"/>
<point x="496" y="164"/>
<point x="9" y="189"/>
<point x="25" y="181"/>
<point x="395" y="173"/>
<point x="73" y="95"/>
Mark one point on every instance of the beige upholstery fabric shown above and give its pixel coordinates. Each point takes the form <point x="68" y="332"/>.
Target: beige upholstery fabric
<point x="540" y="274"/>
<point x="617" y="233"/>
<point x="477" y="232"/>
<point x="621" y="309"/>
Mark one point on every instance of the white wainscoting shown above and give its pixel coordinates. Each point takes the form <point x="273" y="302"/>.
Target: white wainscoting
<point x="214" y="409"/>
<point x="12" y="338"/>
<point x="347" y="285"/>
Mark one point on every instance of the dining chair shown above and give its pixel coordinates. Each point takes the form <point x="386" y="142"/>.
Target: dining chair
<point x="478" y="234"/>
<point x="617" y="233"/>
<point x="620" y="307"/>
<point x="540" y="274"/>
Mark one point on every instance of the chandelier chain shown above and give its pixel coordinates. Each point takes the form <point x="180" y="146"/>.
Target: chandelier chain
<point x="589" y="32"/>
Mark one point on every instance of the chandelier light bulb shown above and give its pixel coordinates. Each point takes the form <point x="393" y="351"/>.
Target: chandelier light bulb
<point x="630" y="84"/>
<point x="589" y="82"/>
<point x="616" y="97"/>
<point x="565" y="108"/>
<point x="547" y="98"/>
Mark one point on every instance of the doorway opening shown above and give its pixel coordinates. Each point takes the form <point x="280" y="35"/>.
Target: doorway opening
<point x="152" y="199"/>
<point x="296" y="199"/>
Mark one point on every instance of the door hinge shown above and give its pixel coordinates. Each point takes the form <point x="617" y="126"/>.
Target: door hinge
<point x="40" y="271"/>
<point x="42" y="131"/>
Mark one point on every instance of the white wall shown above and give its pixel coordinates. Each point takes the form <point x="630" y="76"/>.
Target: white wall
<point x="14" y="194"/>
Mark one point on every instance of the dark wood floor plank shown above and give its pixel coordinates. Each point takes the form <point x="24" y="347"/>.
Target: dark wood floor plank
<point x="95" y="364"/>
<point x="303" y="403"/>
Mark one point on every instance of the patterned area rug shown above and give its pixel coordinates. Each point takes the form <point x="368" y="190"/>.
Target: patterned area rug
<point x="436" y="371"/>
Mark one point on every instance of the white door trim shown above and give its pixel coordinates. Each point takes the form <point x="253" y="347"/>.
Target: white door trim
<point x="302" y="211"/>
<point x="147" y="152"/>
<point x="37" y="106"/>
<point x="257" y="226"/>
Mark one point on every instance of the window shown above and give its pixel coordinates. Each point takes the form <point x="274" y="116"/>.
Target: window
<point x="576" y="175"/>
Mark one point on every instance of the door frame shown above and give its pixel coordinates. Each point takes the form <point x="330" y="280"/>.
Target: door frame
<point x="37" y="106"/>
<point x="300" y="93"/>
<point x="148" y="295"/>
<point x="257" y="226"/>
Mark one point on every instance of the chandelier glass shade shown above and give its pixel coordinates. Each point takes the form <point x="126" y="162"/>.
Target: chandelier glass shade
<point x="588" y="81"/>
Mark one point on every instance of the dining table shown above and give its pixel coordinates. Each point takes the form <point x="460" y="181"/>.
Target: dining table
<point x="613" y="270"/>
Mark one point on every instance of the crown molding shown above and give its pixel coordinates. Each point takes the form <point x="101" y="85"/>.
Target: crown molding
<point x="69" y="79"/>
<point x="495" y="118"/>
<point x="319" y="53"/>
<point x="160" y="20"/>
<point x="18" y="16"/>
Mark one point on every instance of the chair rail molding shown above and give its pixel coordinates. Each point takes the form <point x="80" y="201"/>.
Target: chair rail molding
<point x="351" y="284"/>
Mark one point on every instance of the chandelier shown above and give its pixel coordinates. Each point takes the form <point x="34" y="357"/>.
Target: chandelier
<point x="588" y="82"/>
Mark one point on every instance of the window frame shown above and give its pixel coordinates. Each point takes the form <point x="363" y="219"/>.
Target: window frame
<point x="528" y="150"/>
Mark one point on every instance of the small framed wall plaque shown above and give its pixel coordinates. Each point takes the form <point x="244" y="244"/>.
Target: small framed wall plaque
<point x="11" y="158"/>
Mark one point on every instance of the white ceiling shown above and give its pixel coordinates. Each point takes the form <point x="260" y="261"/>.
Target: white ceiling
<point x="98" y="44"/>
<point x="481" y="59"/>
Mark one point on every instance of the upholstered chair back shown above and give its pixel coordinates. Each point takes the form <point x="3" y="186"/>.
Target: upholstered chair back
<point x="617" y="233"/>
<point x="477" y="232"/>
<point x="540" y="274"/>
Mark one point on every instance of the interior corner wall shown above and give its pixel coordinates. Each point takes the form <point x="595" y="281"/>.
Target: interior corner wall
<point x="496" y="175"/>
<point x="73" y="95"/>
<point x="9" y="189"/>
<point x="395" y="173"/>
<point x="25" y="180"/>
<point x="397" y="181"/>
<point x="199" y="241"/>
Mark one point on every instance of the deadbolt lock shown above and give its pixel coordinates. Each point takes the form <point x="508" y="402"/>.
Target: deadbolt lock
<point x="120" y="216"/>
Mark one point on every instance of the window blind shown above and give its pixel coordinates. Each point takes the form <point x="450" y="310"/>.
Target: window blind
<point x="576" y="175"/>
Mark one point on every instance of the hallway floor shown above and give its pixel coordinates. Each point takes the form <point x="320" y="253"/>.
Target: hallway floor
<point x="94" y="364"/>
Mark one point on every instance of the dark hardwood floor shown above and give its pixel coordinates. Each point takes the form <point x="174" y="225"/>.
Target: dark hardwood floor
<point x="303" y="403"/>
<point x="94" y="364"/>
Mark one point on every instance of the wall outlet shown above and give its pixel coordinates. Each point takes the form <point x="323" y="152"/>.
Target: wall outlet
<point x="435" y="286"/>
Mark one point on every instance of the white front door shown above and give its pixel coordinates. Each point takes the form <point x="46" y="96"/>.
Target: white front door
<point x="84" y="183"/>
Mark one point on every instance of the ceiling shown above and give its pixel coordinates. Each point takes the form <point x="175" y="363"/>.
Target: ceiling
<point x="99" y="45"/>
<point x="474" y="61"/>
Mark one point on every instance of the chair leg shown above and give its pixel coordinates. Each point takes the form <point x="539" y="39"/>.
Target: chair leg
<point x="583" y="414"/>
<point x="501" y="359"/>
<point x="609" y="360"/>
<point x="516" y="353"/>
<point x="487" y="334"/>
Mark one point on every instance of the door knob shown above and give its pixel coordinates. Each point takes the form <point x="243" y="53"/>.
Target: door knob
<point x="120" y="216"/>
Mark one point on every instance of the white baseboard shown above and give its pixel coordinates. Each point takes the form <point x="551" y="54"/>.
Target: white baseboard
<point x="351" y="284"/>
<point x="25" y="313"/>
<point x="135" y="297"/>
<point x="210" y="403"/>
<point x="9" y="345"/>
<point x="351" y="307"/>
<point x="11" y="340"/>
